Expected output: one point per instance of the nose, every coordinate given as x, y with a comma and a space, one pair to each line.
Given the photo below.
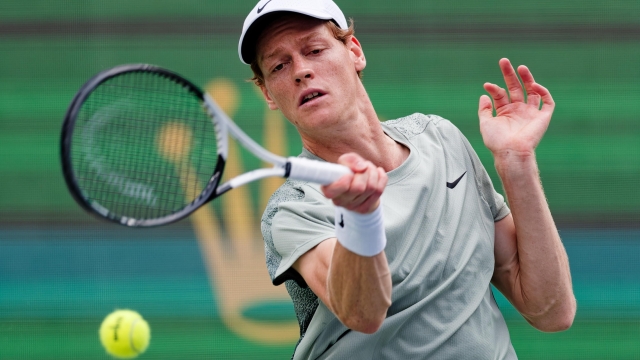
306, 76
302, 69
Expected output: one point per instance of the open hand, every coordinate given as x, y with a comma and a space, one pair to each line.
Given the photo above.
518, 126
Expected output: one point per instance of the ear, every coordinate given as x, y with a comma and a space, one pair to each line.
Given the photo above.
268, 98
357, 54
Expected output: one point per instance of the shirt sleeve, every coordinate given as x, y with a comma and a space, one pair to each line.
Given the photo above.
495, 200
297, 218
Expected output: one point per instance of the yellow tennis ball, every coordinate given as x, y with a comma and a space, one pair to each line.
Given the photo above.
125, 334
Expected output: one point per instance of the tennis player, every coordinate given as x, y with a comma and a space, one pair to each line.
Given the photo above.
396, 260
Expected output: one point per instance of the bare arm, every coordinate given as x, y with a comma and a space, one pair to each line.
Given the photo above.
532, 268
357, 289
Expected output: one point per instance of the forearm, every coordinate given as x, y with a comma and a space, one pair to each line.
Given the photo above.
540, 280
359, 289
357, 281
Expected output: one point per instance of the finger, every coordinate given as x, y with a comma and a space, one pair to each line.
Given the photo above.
360, 181
485, 108
511, 80
376, 187
547, 101
382, 179
372, 181
337, 187
364, 200
527, 77
362, 187
498, 94
353, 161
357, 165
349, 197
528, 81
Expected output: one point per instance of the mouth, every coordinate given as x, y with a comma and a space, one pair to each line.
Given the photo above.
310, 96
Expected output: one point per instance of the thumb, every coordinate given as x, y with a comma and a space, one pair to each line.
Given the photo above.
485, 108
353, 161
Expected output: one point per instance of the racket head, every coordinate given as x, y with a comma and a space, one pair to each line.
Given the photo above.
138, 146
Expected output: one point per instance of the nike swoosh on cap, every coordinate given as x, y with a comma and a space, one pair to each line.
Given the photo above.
451, 185
261, 8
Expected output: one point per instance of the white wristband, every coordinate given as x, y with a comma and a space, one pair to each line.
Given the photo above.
362, 234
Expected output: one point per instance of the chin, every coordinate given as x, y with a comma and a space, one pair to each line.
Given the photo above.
320, 119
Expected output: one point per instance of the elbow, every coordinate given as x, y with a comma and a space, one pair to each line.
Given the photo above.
559, 320
364, 320
559, 324
565, 324
566, 317
363, 324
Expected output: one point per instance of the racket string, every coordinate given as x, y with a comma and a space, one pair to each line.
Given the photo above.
126, 162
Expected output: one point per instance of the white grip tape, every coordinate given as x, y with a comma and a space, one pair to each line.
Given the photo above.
319, 172
362, 234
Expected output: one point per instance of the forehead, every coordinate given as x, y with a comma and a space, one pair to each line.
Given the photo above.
286, 29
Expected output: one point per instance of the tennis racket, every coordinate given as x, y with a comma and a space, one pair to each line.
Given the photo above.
142, 146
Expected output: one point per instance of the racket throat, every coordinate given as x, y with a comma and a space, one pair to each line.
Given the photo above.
223, 189
276, 171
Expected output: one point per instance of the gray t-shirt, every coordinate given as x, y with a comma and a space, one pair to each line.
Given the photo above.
439, 211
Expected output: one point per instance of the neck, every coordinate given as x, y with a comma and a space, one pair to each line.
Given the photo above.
363, 135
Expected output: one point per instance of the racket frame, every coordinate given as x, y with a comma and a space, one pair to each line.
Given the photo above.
68, 126
293, 167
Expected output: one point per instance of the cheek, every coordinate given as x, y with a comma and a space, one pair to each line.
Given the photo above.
345, 80
282, 97
275, 92
344, 67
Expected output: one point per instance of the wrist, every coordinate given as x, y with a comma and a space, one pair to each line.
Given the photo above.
510, 161
362, 234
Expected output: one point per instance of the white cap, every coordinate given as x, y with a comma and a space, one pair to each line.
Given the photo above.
319, 9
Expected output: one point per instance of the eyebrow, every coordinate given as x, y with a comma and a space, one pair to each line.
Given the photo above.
270, 54
279, 48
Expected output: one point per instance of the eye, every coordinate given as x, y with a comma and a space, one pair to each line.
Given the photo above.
316, 51
278, 67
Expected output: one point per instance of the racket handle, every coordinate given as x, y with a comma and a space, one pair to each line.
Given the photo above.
319, 172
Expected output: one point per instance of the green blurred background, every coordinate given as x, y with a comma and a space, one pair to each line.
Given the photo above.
61, 271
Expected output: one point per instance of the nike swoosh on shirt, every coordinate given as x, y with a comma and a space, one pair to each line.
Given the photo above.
451, 185
260, 8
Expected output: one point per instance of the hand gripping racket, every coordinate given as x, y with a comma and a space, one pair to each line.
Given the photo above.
138, 148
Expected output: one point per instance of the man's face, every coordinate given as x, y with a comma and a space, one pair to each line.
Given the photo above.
308, 74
